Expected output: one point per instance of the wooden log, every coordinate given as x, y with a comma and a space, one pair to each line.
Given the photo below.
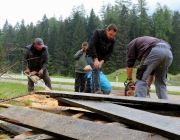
166, 104
63, 127
163, 125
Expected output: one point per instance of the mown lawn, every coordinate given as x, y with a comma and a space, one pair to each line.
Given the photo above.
10, 89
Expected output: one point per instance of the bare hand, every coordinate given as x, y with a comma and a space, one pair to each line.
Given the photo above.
40, 72
27, 71
97, 64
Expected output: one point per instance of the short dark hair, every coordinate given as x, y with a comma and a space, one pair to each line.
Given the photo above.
112, 27
85, 44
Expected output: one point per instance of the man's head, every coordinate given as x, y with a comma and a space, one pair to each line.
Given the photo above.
111, 31
84, 46
87, 69
38, 44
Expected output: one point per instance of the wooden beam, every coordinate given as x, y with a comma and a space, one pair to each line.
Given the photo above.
35, 137
166, 104
12, 128
18, 130
163, 125
64, 127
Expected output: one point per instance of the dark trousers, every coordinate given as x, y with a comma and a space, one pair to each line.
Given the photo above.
79, 82
95, 76
46, 79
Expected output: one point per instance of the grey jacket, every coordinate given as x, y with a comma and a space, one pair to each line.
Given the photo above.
80, 61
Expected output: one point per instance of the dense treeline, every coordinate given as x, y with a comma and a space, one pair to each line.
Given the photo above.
64, 37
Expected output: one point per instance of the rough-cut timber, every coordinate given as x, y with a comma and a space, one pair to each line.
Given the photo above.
166, 104
163, 125
15, 129
63, 127
35, 137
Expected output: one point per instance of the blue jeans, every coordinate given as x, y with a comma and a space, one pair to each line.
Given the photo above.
95, 75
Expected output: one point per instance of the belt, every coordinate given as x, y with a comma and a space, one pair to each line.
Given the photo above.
162, 45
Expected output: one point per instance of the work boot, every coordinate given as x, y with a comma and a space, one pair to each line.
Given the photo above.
98, 92
148, 92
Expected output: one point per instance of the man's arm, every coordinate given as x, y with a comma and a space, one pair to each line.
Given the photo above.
91, 51
25, 61
129, 71
46, 60
78, 54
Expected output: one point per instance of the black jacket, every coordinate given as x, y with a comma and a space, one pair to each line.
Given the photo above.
100, 46
35, 60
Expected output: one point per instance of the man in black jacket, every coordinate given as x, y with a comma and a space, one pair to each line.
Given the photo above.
100, 48
36, 61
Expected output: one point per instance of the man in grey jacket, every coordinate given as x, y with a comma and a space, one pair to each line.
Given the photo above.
36, 62
79, 68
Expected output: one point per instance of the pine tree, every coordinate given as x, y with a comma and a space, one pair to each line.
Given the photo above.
175, 43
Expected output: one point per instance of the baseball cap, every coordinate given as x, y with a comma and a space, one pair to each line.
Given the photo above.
88, 67
38, 42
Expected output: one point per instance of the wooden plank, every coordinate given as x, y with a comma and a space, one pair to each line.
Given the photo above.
163, 125
12, 128
78, 115
64, 127
166, 104
36, 137
17, 130
54, 109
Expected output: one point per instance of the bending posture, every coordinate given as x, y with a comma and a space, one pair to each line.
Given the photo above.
99, 51
36, 62
104, 82
153, 54
79, 68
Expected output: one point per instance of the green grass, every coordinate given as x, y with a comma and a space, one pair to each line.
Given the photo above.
121, 73
9, 90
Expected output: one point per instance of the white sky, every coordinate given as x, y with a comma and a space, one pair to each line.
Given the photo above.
33, 10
